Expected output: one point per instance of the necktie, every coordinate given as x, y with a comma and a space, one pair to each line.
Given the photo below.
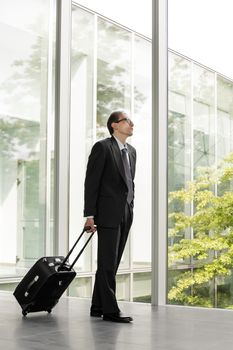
128, 175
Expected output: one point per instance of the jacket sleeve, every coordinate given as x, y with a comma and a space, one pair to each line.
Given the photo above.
95, 167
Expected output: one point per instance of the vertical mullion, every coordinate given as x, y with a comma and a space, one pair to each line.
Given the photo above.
216, 164
94, 116
62, 119
132, 72
95, 76
159, 150
49, 247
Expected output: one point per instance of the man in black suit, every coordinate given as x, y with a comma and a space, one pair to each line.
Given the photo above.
108, 204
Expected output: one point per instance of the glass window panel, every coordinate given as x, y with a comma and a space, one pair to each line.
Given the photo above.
82, 131
122, 287
203, 85
80, 287
26, 15
204, 149
197, 295
179, 74
9, 287
179, 141
113, 72
113, 82
203, 118
224, 125
141, 140
224, 286
174, 275
179, 122
26, 146
182, 168
142, 287
211, 130
225, 134
224, 118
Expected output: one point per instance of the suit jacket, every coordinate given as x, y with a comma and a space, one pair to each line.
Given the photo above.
105, 185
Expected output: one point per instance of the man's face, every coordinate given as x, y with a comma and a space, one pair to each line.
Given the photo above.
124, 125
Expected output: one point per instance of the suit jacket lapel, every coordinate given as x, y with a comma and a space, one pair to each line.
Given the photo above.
117, 155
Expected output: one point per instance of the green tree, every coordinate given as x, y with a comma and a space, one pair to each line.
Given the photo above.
209, 250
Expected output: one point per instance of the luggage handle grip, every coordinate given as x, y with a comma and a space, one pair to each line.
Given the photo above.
86, 228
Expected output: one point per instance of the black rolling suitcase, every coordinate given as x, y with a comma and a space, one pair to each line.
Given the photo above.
46, 281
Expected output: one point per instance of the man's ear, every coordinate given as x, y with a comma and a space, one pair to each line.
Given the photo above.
113, 125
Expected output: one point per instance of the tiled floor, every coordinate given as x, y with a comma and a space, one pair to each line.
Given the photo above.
70, 327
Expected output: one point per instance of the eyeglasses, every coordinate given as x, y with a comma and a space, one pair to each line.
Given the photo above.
128, 120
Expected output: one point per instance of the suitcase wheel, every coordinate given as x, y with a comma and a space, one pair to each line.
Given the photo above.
49, 311
24, 313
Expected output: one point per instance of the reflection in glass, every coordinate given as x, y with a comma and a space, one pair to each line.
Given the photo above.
203, 118
80, 287
142, 287
142, 140
122, 285
224, 125
26, 102
113, 81
81, 123
198, 141
179, 137
103, 73
113, 72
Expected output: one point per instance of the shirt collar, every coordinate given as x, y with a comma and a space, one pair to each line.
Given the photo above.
120, 144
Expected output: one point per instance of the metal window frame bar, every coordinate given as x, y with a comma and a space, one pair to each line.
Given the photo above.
62, 118
159, 150
49, 237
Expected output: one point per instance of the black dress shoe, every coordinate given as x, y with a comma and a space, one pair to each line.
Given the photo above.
116, 317
96, 313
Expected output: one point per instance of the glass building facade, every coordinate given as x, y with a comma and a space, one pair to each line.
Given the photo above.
26, 127
110, 69
199, 138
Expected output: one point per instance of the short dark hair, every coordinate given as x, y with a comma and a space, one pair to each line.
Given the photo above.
114, 117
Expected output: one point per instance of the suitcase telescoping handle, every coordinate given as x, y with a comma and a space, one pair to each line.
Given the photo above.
86, 228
